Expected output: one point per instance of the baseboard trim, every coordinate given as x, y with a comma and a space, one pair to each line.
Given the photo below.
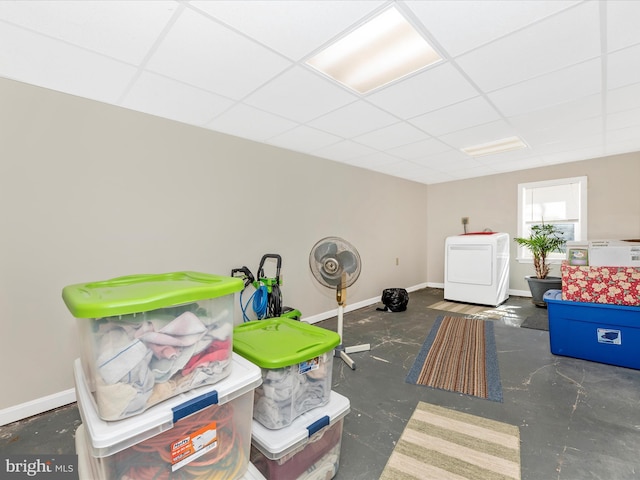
515, 293
37, 406
520, 293
60, 399
355, 306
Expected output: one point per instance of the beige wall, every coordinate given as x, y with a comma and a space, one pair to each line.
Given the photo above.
90, 192
491, 202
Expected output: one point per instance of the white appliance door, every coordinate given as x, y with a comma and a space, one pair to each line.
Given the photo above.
470, 264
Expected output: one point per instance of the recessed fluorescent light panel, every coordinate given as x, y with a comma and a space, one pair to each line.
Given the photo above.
379, 52
498, 146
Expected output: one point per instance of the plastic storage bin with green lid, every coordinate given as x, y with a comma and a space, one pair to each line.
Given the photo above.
146, 338
296, 361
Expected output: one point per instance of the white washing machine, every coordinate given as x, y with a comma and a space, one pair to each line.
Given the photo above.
476, 268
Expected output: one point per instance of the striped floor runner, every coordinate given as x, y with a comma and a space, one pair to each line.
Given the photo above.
476, 311
442, 444
459, 355
456, 307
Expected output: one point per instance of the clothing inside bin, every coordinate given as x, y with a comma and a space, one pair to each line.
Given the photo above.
286, 393
145, 358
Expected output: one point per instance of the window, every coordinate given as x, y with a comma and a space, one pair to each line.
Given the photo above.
561, 202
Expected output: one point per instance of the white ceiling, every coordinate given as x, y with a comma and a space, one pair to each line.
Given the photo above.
563, 75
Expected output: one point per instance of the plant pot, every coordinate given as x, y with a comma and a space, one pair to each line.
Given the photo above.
539, 286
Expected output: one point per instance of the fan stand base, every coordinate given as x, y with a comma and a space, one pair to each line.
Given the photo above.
343, 352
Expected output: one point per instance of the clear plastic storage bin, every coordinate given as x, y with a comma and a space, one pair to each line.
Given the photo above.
146, 338
296, 361
308, 449
204, 433
85, 463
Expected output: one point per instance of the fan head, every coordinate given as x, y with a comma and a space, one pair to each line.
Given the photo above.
334, 262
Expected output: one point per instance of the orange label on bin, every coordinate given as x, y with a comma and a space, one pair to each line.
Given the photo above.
194, 445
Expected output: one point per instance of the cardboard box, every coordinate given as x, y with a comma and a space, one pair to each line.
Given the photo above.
202, 433
605, 285
614, 253
600, 333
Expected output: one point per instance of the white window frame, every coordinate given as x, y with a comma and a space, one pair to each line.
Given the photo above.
523, 255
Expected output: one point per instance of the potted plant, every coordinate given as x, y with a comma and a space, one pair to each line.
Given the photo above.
543, 240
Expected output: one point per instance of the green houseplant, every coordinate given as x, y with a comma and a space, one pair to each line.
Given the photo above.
544, 239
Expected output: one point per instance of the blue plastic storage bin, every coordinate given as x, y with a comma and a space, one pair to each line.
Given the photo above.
594, 331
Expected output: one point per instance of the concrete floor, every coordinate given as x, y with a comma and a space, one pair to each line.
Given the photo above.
578, 420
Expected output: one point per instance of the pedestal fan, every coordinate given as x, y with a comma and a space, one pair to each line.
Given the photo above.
335, 263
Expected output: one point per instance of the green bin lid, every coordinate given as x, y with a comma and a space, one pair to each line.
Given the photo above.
280, 342
141, 293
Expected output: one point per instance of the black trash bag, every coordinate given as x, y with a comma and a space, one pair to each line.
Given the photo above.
394, 299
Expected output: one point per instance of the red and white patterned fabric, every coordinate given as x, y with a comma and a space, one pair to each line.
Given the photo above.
610, 285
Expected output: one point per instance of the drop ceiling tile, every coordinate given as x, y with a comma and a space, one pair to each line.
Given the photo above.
372, 160
517, 164
419, 149
260, 127
205, 54
401, 168
615, 147
294, 28
623, 98
573, 154
541, 152
567, 38
586, 142
623, 67
473, 172
565, 85
631, 133
623, 119
622, 23
35, 59
564, 133
353, 119
431, 177
300, 95
167, 98
458, 163
462, 115
488, 132
558, 115
443, 161
424, 92
344, 151
304, 139
123, 30
482, 21
392, 136
499, 158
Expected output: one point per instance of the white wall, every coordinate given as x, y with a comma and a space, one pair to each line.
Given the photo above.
90, 192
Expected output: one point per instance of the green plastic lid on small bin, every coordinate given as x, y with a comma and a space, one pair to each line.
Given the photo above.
280, 342
141, 293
